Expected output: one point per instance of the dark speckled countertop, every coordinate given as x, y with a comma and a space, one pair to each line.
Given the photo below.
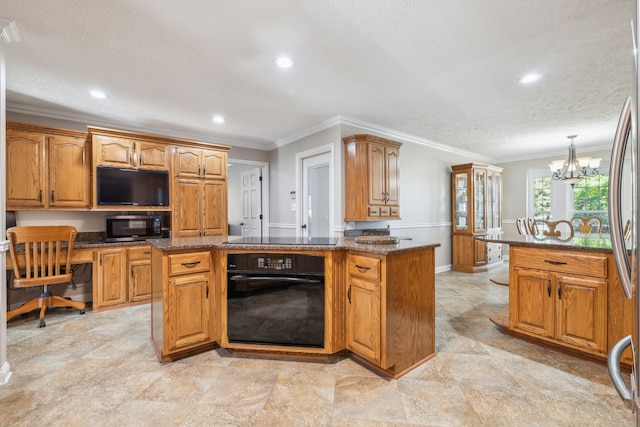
220, 242
96, 239
586, 242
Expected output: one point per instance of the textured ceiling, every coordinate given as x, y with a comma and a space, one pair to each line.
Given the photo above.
441, 71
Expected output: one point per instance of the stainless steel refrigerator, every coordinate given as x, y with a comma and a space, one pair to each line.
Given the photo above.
624, 181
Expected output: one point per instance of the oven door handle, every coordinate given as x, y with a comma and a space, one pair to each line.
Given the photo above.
243, 278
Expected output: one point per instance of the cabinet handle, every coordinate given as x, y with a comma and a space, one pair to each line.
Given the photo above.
204, 170
130, 158
559, 290
40, 196
207, 295
100, 259
363, 267
140, 161
190, 264
349, 294
132, 273
198, 170
555, 262
549, 287
53, 196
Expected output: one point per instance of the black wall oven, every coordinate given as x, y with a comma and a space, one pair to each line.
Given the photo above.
275, 299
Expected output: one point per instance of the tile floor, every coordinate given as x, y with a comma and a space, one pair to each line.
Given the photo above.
100, 370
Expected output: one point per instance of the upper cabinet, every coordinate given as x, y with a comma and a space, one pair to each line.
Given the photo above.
125, 150
200, 163
476, 198
47, 168
372, 178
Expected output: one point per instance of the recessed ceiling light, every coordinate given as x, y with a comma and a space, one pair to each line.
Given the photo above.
98, 94
218, 119
530, 78
285, 62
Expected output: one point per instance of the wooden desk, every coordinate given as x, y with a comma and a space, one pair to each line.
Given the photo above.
79, 256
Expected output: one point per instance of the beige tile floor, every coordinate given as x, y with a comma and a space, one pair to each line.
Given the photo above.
100, 370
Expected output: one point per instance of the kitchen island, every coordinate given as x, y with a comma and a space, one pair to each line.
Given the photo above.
565, 293
378, 299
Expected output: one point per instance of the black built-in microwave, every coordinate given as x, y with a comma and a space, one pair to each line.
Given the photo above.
131, 228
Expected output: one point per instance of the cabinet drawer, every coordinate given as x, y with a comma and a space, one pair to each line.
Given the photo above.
395, 212
494, 257
385, 211
493, 248
143, 252
189, 263
563, 262
361, 266
374, 210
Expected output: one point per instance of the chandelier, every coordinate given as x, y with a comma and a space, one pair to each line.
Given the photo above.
573, 169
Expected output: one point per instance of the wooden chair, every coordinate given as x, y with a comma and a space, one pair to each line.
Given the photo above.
526, 225
46, 260
627, 230
561, 228
587, 225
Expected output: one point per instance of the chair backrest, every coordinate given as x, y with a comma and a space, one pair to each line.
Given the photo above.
587, 225
561, 228
526, 225
41, 255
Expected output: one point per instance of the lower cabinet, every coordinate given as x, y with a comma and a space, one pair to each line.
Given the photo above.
391, 308
560, 296
121, 276
181, 309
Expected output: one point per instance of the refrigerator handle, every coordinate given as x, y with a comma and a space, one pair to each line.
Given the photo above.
615, 177
614, 369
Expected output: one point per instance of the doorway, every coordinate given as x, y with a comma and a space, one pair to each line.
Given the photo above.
248, 198
315, 206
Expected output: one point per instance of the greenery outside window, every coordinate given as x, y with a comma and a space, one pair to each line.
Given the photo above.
591, 199
542, 198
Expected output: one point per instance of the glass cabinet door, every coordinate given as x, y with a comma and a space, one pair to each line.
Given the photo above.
491, 182
480, 214
461, 186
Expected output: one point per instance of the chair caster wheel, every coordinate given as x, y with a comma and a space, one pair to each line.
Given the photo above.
42, 324
82, 311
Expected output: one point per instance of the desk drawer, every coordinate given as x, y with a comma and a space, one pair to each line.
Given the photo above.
143, 252
560, 261
189, 263
366, 267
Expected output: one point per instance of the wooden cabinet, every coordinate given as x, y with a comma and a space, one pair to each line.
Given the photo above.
391, 308
372, 178
47, 168
200, 192
110, 278
182, 295
560, 296
127, 153
139, 270
476, 196
122, 276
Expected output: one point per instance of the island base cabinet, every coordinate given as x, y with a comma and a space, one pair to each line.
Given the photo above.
391, 309
560, 306
182, 296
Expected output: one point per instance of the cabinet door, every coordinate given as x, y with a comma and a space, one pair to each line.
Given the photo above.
187, 163
26, 170
392, 176
531, 303
114, 152
110, 284
363, 319
214, 164
214, 211
186, 211
152, 156
68, 172
461, 202
581, 312
139, 280
479, 201
377, 183
188, 311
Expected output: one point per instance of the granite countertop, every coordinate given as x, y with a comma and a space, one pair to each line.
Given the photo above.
587, 242
97, 239
219, 242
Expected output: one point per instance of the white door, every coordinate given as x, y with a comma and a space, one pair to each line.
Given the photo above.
251, 224
316, 196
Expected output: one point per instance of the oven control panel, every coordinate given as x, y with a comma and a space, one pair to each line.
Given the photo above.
275, 262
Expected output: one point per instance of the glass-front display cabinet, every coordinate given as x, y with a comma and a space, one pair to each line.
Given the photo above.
476, 196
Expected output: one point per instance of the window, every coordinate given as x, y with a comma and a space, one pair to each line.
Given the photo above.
591, 198
542, 198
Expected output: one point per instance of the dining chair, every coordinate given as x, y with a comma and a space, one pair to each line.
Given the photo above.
561, 228
41, 256
587, 225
